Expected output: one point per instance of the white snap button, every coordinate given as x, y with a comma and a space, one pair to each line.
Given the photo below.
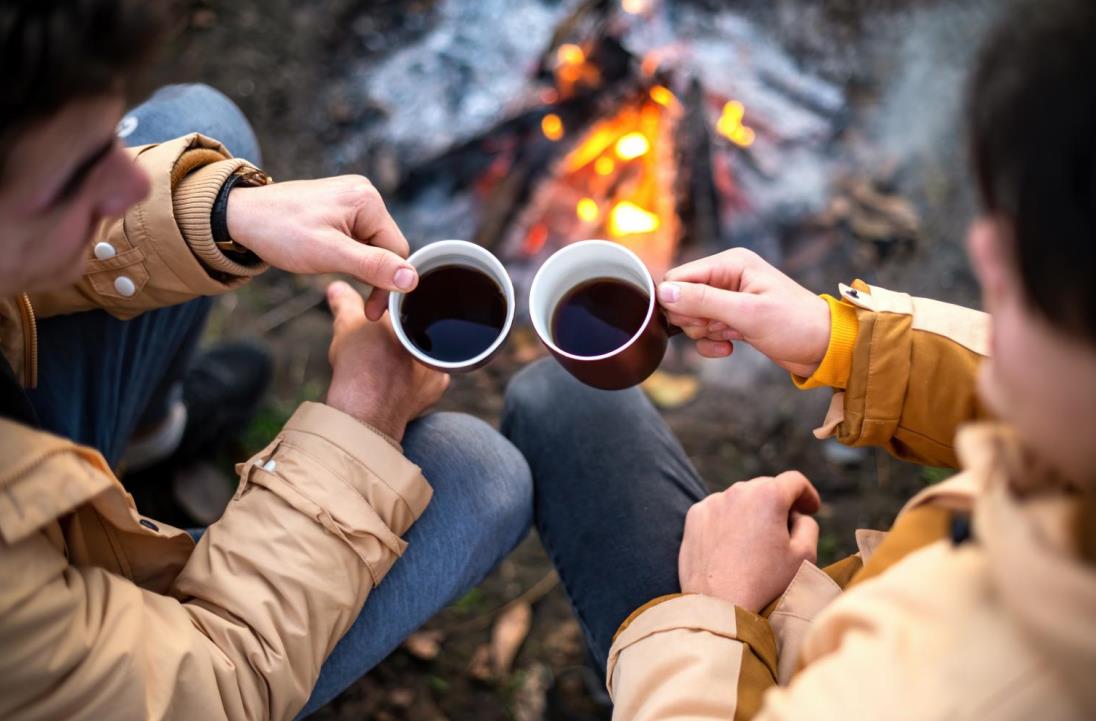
124, 286
104, 251
270, 465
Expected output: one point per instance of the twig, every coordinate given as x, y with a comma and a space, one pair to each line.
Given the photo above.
531, 595
292, 309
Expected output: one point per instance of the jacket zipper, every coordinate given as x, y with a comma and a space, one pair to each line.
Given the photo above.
30, 343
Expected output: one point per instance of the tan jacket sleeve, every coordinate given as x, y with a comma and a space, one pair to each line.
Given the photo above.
691, 657
913, 378
162, 252
246, 625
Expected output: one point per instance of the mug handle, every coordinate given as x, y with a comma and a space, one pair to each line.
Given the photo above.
671, 329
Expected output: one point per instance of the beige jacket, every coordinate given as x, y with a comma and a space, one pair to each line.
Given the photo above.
931, 626
105, 614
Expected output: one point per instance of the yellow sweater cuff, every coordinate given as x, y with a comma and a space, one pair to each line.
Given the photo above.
837, 363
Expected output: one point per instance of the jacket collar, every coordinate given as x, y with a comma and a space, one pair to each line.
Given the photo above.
1025, 518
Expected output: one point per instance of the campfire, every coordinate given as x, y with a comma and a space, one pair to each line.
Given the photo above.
673, 130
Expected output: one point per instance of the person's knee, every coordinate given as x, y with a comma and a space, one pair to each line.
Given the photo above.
489, 466
535, 391
219, 117
545, 397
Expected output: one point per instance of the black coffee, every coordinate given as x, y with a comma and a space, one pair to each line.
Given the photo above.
454, 314
599, 316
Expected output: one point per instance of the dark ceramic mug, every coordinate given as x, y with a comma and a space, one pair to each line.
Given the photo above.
631, 363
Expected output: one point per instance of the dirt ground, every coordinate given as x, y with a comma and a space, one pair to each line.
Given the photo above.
284, 63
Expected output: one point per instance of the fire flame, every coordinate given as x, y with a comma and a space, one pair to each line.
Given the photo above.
627, 218
663, 96
632, 146
570, 54
617, 181
730, 125
587, 210
635, 7
552, 126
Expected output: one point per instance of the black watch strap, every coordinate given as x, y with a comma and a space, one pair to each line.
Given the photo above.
219, 217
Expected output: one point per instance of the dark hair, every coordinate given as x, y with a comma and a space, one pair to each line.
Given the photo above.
1032, 117
56, 51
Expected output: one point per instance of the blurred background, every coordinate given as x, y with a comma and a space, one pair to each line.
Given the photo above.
826, 136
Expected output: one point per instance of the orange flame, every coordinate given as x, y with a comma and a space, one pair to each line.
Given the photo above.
730, 125
663, 96
604, 166
587, 210
627, 218
570, 54
552, 126
632, 146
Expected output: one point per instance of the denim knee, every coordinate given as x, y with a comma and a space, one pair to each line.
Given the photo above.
175, 110
545, 396
489, 467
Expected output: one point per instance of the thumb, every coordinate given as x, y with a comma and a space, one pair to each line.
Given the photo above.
346, 304
379, 267
704, 301
804, 536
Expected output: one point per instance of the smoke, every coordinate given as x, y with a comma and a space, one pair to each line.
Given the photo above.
930, 53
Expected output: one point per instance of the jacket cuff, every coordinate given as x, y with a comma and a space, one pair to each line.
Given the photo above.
347, 477
192, 202
699, 613
402, 493
837, 363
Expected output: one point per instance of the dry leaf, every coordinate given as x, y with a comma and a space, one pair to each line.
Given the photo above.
671, 391
401, 697
479, 668
424, 645
509, 632
531, 697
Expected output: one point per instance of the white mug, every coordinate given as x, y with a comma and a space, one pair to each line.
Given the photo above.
459, 253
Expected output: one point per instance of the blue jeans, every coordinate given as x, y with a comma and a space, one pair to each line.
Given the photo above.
611, 489
99, 375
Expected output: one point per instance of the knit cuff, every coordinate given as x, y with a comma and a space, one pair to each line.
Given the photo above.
192, 201
837, 363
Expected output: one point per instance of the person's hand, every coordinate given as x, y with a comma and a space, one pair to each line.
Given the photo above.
331, 225
735, 295
374, 379
744, 545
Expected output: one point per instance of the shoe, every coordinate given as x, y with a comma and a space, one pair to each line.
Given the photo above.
168, 470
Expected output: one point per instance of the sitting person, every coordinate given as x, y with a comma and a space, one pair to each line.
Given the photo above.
106, 613
979, 603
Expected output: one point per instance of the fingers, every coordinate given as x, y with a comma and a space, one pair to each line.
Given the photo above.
346, 305
723, 270
376, 304
373, 224
379, 267
803, 536
704, 301
797, 493
714, 348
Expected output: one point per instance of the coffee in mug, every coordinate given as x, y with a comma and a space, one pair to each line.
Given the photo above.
593, 306
598, 316
460, 313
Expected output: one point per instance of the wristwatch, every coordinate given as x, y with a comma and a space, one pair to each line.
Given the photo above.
218, 220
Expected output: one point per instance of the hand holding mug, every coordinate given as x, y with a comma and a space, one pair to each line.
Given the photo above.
373, 379
736, 295
330, 225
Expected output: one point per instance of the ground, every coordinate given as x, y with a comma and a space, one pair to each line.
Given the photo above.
283, 62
